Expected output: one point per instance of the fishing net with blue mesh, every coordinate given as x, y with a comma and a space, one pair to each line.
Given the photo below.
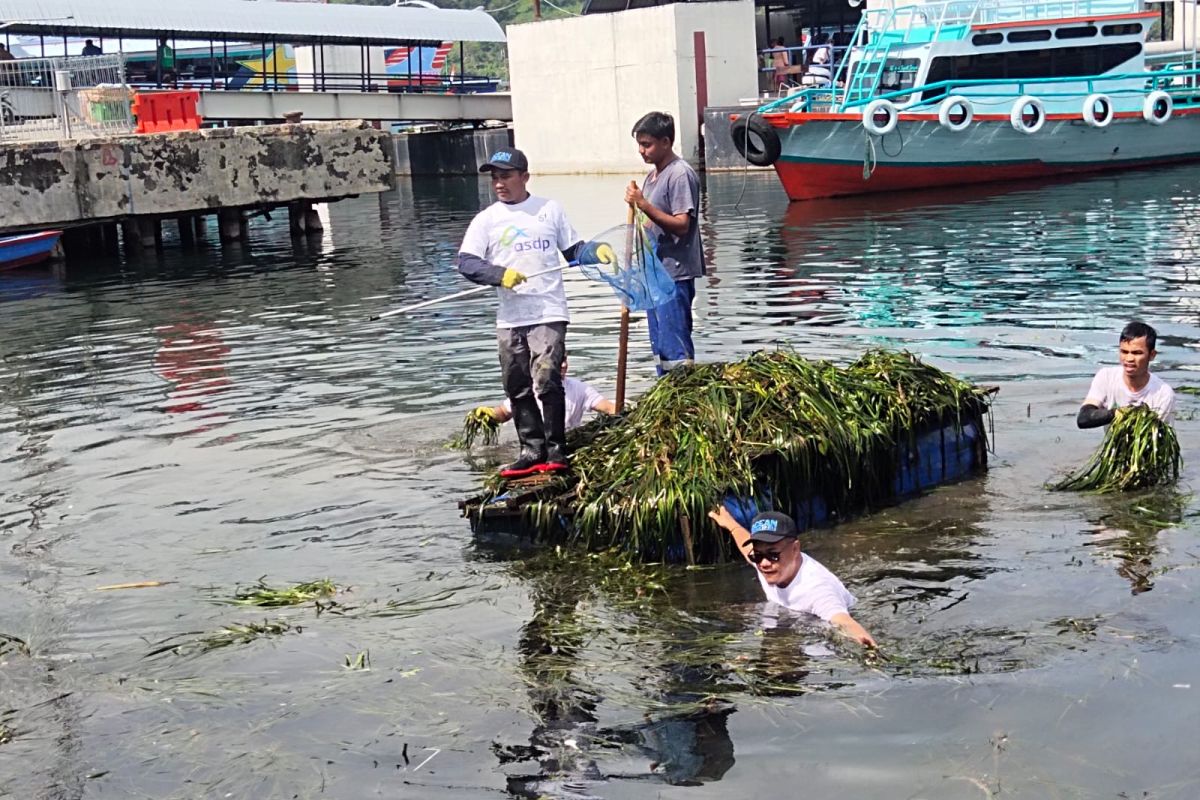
634, 273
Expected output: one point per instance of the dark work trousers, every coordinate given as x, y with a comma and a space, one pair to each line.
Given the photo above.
531, 361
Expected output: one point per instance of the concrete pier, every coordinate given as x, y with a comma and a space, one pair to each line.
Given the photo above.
144, 178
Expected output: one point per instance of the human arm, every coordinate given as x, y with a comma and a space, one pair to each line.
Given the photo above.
674, 224
500, 413
850, 627
482, 271
1092, 416
741, 536
604, 406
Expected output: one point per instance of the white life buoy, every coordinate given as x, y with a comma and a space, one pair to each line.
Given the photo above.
1036, 110
1158, 107
1098, 110
955, 113
877, 109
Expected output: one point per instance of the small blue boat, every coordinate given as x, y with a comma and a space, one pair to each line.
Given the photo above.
27, 249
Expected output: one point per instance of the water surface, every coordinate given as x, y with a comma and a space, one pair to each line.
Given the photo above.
205, 419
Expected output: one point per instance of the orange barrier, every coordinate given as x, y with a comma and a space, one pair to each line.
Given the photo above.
166, 111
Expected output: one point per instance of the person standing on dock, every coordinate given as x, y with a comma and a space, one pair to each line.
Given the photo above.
517, 235
1130, 384
789, 577
670, 199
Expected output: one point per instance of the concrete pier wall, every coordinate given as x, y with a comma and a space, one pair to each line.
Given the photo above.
456, 152
579, 84
720, 154
47, 184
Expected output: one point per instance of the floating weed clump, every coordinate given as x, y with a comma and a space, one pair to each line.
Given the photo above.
774, 427
270, 597
478, 426
12, 643
227, 636
1139, 451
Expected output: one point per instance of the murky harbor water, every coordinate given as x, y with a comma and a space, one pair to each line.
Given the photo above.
206, 419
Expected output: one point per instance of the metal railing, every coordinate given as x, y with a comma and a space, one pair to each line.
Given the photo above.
64, 98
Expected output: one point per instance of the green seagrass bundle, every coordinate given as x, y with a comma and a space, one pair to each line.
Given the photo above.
478, 426
1139, 451
774, 428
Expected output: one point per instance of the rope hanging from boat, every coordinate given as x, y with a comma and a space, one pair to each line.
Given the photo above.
869, 158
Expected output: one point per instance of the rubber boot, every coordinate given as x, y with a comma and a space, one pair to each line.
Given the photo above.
554, 410
528, 421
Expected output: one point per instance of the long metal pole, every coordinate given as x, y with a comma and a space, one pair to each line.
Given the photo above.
465, 293
623, 337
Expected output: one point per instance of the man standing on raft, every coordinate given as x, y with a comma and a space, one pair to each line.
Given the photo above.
670, 199
517, 235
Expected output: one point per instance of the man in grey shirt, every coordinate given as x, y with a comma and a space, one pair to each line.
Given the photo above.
670, 199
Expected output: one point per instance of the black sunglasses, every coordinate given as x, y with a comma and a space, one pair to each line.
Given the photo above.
771, 555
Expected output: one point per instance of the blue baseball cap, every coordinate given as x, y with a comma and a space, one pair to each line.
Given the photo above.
507, 158
770, 527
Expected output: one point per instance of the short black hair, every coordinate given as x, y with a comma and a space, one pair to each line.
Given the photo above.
658, 124
1136, 330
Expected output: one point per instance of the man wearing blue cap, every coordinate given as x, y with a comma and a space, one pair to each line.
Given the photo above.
788, 577
505, 244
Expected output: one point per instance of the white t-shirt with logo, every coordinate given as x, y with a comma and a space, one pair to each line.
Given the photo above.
814, 590
581, 398
1109, 391
528, 237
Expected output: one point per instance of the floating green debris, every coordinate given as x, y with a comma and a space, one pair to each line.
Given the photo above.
6, 734
266, 596
9, 642
228, 635
1139, 451
479, 426
359, 662
773, 427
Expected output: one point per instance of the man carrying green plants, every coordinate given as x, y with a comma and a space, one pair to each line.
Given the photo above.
514, 245
1129, 384
789, 577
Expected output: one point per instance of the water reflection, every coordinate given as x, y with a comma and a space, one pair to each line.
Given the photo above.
1125, 529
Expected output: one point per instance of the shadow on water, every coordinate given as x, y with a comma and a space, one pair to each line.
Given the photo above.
1125, 530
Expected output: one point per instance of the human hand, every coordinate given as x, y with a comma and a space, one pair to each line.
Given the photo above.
722, 517
485, 414
597, 253
512, 278
634, 196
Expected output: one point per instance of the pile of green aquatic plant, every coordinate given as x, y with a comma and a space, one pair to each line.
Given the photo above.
228, 635
266, 596
1139, 451
478, 426
774, 427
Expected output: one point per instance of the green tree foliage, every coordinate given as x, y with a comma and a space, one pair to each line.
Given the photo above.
491, 58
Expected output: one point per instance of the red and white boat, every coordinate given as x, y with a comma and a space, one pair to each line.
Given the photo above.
969, 91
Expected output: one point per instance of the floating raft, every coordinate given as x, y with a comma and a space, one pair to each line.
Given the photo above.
773, 431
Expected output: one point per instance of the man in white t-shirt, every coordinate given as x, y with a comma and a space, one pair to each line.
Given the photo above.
789, 577
1130, 384
581, 398
506, 246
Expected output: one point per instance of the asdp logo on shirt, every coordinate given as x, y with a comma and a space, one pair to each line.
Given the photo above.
518, 241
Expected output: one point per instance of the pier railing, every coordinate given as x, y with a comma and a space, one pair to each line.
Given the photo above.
64, 98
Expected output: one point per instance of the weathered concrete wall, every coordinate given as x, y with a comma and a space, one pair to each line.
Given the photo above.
457, 152
49, 184
579, 84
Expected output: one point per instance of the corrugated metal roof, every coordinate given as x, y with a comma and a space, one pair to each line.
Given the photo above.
253, 20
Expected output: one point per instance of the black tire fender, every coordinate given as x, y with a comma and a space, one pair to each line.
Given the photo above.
756, 140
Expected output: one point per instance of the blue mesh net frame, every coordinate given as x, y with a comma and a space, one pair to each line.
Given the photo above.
637, 277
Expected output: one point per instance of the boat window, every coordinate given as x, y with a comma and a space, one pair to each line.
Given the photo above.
1122, 30
1058, 62
1080, 32
1028, 36
898, 74
987, 38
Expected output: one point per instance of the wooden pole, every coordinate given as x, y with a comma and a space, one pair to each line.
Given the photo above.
623, 341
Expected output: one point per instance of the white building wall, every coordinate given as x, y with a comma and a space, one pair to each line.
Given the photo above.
579, 84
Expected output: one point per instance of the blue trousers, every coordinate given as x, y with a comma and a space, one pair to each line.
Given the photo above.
671, 328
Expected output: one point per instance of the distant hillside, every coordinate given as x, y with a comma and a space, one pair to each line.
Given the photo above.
484, 58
